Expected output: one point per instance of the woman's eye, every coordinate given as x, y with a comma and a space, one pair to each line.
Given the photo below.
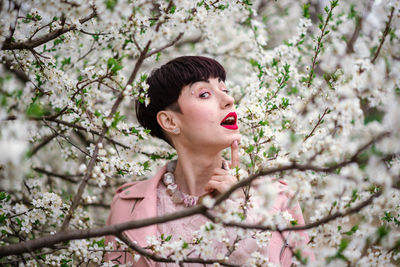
226, 91
205, 95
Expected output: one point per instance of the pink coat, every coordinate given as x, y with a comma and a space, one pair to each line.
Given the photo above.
138, 200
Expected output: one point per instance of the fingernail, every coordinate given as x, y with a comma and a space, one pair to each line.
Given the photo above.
235, 143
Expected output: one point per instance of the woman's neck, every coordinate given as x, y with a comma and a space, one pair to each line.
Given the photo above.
194, 169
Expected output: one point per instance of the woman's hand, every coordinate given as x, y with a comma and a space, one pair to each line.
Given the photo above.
221, 180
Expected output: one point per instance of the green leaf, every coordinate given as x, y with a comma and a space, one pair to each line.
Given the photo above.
3, 218
254, 63
66, 61
64, 263
354, 195
3, 196
210, 227
59, 40
299, 257
321, 19
35, 110
97, 113
241, 215
114, 65
293, 91
249, 149
158, 55
285, 102
388, 217
343, 245
382, 232
352, 230
274, 63
143, 77
19, 222
373, 114
306, 11
173, 9
110, 4
272, 151
117, 118
247, 2
100, 243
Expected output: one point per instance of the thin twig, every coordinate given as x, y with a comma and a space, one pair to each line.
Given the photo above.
385, 33
44, 142
319, 43
67, 139
316, 125
157, 258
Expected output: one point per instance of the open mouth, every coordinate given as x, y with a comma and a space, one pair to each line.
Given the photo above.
229, 121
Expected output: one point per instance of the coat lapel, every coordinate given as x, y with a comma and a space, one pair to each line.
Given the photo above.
145, 195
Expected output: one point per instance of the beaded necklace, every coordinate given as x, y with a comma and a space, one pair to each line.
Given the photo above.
179, 197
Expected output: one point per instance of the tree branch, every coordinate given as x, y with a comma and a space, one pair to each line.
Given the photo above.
66, 177
357, 29
72, 125
116, 229
30, 44
165, 46
21, 75
324, 220
82, 186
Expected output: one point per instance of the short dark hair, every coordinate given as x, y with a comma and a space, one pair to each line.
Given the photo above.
165, 86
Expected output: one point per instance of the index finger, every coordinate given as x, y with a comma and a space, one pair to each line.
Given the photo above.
234, 154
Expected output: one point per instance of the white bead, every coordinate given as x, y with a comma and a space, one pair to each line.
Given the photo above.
168, 178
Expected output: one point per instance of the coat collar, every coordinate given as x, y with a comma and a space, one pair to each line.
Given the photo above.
144, 188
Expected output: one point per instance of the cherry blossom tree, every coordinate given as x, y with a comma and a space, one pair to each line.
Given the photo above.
317, 89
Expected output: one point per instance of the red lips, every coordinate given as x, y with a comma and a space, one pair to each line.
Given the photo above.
229, 122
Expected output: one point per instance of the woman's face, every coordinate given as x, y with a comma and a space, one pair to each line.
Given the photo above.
208, 117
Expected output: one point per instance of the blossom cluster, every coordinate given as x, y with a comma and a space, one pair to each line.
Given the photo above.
317, 92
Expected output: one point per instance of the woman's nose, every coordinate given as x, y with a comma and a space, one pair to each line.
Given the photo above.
226, 100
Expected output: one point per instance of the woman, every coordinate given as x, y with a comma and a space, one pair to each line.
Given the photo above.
191, 110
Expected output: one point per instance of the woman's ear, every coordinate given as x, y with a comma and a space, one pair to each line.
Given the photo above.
168, 121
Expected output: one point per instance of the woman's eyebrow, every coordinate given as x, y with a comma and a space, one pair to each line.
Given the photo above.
203, 80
